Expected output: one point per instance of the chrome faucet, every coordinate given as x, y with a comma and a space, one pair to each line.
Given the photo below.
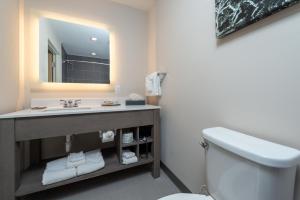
70, 103
77, 102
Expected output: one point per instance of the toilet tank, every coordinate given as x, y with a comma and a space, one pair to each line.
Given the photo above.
241, 167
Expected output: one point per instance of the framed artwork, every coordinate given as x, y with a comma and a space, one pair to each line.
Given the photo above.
233, 15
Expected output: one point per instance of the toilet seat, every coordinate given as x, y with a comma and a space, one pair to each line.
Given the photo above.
183, 196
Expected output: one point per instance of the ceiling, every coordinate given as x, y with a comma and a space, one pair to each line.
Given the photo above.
139, 4
76, 39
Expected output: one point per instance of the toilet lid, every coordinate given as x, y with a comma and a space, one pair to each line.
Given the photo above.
182, 196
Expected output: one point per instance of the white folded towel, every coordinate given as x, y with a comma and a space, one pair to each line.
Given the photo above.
57, 171
94, 162
75, 159
57, 164
75, 164
128, 154
127, 138
127, 161
94, 156
152, 83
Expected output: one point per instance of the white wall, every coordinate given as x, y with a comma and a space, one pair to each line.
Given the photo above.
9, 55
129, 27
152, 40
249, 81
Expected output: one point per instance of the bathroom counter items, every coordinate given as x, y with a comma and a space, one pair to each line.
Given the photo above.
19, 179
75, 111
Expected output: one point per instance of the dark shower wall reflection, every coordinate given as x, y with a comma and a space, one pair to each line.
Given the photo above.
80, 69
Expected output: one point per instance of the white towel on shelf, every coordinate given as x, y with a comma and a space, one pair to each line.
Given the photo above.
127, 138
127, 161
57, 164
153, 87
128, 154
75, 164
57, 171
94, 162
108, 136
75, 159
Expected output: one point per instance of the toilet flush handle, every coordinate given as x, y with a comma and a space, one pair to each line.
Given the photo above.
204, 144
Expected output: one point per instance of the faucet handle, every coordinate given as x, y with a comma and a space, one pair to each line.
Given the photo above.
64, 102
76, 102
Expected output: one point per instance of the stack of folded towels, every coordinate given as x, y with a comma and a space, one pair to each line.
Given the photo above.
128, 157
75, 164
127, 138
75, 159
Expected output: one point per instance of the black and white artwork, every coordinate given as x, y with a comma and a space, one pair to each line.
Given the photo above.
233, 15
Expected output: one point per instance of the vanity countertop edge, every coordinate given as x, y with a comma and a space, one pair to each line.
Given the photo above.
28, 113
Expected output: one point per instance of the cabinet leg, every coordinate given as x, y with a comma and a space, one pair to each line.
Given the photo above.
156, 170
7, 155
156, 145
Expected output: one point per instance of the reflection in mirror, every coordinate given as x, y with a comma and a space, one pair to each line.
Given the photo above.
72, 53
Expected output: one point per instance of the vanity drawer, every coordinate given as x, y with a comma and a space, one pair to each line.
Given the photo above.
54, 126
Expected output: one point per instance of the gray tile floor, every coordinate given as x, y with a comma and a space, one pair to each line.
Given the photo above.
136, 184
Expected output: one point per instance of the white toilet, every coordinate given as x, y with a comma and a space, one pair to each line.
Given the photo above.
241, 167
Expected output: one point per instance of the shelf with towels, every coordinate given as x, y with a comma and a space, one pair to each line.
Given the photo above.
139, 133
31, 179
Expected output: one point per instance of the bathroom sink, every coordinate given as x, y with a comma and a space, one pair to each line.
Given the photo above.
53, 109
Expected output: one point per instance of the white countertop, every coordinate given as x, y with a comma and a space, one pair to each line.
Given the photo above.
95, 109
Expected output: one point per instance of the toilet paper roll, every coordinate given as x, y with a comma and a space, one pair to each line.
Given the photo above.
107, 136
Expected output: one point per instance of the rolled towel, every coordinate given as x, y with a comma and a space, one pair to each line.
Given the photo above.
128, 154
129, 160
94, 162
108, 136
57, 171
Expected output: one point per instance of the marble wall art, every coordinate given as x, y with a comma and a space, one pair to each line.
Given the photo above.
233, 15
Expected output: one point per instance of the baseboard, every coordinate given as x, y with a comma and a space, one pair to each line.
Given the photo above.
174, 179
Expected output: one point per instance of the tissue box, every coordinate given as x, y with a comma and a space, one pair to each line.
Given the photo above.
135, 103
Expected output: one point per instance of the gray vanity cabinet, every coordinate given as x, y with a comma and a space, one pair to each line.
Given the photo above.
17, 181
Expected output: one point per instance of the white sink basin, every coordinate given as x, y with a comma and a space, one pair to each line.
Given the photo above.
53, 109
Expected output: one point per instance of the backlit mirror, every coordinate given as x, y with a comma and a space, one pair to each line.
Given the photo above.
72, 53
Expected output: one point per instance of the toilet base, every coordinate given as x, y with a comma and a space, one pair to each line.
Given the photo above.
184, 196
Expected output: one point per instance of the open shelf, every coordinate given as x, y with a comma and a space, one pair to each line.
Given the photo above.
134, 143
31, 180
149, 140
